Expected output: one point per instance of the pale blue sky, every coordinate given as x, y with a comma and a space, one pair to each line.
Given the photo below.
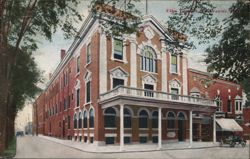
48, 55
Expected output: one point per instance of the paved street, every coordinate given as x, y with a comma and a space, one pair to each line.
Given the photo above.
37, 147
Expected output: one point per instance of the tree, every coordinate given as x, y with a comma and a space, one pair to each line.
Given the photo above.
21, 22
196, 19
230, 57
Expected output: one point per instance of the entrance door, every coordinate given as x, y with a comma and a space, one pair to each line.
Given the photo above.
181, 131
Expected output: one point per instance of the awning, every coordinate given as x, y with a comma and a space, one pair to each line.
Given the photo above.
228, 125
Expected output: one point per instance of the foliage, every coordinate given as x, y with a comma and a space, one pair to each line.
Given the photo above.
231, 56
24, 79
10, 152
195, 18
25, 20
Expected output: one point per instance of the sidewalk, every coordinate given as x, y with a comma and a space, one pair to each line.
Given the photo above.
129, 148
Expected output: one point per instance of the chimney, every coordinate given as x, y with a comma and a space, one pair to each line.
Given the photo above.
63, 52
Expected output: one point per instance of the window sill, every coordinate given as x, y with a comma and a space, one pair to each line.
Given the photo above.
118, 60
109, 128
155, 73
174, 73
88, 64
143, 129
88, 103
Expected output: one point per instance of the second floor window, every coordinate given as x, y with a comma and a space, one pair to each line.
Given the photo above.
88, 58
174, 68
88, 92
78, 97
118, 49
175, 92
238, 105
229, 105
118, 82
148, 59
218, 103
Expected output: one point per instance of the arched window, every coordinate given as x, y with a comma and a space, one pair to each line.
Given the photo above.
171, 120
109, 118
155, 119
91, 118
181, 116
148, 59
85, 119
143, 119
127, 118
75, 121
80, 120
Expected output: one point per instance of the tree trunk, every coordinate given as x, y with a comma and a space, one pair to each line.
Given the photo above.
4, 87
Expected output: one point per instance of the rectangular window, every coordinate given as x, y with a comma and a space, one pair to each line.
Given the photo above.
127, 140
88, 54
143, 139
85, 138
78, 64
78, 97
118, 49
155, 139
110, 140
64, 104
68, 122
236, 106
229, 106
88, 92
118, 82
174, 64
149, 87
175, 92
91, 139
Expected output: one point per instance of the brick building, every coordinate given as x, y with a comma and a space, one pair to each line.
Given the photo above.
110, 89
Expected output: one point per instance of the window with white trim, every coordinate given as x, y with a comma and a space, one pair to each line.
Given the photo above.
109, 118
174, 68
75, 121
238, 105
155, 119
148, 59
229, 105
118, 49
170, 120
88, 91
143, 119
127, 118
78, 97
118, 82
88, 58
91, 118
85, 119
218, 103
78, 64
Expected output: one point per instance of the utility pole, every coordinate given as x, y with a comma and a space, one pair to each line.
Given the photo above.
146, 7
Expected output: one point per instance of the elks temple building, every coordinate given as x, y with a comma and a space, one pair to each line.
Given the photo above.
132, 89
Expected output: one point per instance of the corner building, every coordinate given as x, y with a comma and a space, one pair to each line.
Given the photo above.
125, 89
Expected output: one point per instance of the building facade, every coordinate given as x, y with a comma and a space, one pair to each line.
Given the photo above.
132, 89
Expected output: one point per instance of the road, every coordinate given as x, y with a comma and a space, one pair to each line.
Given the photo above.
35, 147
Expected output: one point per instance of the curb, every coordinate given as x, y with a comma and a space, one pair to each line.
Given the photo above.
129, 151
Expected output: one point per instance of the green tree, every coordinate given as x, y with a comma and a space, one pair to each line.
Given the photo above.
21, 23
230, 56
